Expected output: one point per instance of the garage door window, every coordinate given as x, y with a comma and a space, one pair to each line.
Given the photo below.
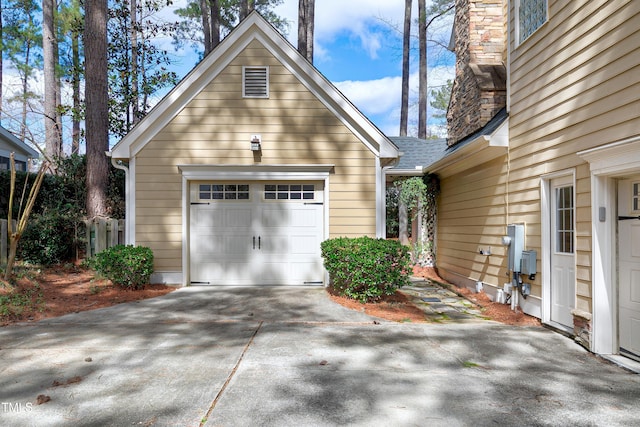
223, 191
289, 192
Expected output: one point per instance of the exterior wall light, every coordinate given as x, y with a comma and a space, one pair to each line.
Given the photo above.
256, 141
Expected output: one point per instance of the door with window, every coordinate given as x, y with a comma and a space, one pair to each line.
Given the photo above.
629, 266
563, 277
256, 233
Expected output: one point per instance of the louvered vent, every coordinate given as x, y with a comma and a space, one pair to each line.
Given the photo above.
255, 82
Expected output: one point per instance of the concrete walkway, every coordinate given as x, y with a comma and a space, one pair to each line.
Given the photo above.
290, 357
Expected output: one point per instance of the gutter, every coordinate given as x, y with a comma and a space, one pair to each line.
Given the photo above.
127, 195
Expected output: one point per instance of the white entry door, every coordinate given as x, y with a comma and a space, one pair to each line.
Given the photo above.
563, 277
629, 266
263, 233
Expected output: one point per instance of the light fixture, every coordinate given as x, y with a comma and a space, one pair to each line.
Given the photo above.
256, 141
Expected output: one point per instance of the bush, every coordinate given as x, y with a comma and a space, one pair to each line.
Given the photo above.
126, 266
364, 268
48, 239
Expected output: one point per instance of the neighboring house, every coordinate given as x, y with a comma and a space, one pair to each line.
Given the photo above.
558, 152
22, 152
252, 160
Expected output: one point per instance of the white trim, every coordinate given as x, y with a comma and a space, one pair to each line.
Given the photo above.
186, 241
545, 249
606, 163
257, 172
131, 214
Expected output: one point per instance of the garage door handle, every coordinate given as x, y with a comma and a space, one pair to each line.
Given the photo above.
254, 242
259, 243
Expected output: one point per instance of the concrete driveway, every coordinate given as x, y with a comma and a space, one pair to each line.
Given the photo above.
290, 357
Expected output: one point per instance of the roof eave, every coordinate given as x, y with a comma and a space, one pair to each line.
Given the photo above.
480, 150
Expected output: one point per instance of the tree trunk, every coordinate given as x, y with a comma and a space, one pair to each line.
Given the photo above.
246, 6
53, 140
75, 83
25, 93
306, 18
406, 45
215, 23
422, 83
97, 120
206, 26
134, 62
1, 64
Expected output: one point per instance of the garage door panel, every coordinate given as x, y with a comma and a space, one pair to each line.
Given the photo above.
238, 218
305, 244
258, 240
304, 217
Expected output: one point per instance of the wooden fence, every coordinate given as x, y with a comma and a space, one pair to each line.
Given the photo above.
103, 233
100, 234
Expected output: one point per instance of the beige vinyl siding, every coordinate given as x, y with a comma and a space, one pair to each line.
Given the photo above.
575, 85
215, 128
472, 214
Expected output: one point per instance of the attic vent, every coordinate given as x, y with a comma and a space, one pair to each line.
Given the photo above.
255, 82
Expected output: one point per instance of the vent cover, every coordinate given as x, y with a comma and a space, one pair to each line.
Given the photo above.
255, 82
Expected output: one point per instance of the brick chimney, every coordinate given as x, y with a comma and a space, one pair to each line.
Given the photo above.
479, 89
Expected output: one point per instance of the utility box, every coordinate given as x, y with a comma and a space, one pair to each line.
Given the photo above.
515, 233
529, 263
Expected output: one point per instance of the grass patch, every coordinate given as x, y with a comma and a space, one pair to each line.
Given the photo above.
21, 300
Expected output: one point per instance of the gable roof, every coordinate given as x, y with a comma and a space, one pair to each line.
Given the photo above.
254, 27
14, 144
416, 154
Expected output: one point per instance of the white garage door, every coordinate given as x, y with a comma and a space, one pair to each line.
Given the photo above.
263, 233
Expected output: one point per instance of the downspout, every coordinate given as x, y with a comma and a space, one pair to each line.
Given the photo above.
127, 226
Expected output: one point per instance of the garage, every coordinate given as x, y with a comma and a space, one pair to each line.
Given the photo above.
256, 233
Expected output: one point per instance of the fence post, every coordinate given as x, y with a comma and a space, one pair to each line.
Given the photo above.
101, 235
113, 236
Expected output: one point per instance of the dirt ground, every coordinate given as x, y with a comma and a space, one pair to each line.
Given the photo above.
61, 290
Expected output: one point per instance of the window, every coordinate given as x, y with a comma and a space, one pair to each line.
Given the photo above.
5, 164
255, 82
635, 197
531, 14
289, 192
564, 220
223, 191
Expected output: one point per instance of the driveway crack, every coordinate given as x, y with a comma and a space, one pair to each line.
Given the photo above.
231, 375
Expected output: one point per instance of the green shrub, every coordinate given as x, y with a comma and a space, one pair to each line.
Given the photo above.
364, 268
49, 238
126, 266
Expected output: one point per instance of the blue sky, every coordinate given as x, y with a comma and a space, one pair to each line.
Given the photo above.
358, 47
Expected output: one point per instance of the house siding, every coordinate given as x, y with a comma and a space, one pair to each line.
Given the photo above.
472, 215
574, 84
588, 95
215, 128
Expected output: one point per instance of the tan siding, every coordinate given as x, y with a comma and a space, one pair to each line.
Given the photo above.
472, 214
575, 84
215, 128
